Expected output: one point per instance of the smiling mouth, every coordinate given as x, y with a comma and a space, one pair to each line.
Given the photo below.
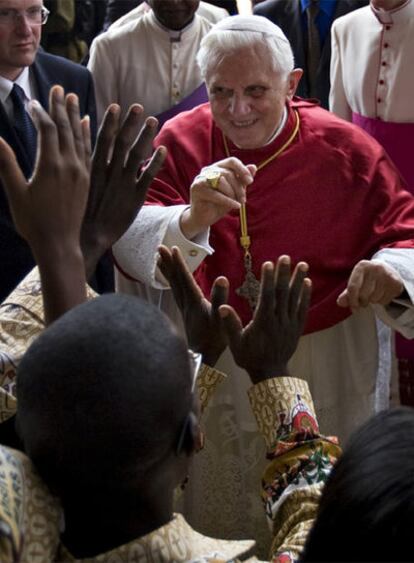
244, 124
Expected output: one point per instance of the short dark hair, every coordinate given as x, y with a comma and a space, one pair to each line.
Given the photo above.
103, 393
366, 511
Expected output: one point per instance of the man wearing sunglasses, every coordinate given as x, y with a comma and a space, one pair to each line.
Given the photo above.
26, 72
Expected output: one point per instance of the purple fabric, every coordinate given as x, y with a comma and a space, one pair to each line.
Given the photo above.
397, 139
199, 96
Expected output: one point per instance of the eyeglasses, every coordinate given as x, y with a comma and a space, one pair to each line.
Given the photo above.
195, 362
36, 15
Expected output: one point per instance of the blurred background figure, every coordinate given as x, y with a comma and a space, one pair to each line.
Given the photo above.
152, 60
307, 25
116, 9
206, 10
71, 27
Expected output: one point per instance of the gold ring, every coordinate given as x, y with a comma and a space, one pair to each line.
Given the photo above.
213, 179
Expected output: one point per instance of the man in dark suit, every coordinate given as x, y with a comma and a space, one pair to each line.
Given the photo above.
29, 72
292, 17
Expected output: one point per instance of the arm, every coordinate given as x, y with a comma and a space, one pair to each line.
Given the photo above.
48, 210
300, 458
338, 102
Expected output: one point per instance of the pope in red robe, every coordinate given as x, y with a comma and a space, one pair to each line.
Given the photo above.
254, 174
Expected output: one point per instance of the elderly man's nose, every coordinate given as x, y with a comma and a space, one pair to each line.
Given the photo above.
239, 105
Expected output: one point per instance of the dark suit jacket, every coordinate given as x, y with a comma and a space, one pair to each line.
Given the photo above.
287, 15
15, 257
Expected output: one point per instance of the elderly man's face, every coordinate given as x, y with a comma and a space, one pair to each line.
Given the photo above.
174, 14
247, 97
19, 39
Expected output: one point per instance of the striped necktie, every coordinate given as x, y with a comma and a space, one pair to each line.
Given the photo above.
314, 46
23, 124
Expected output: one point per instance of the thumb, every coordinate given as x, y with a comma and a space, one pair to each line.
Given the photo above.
252, 169
343, 300
10, 172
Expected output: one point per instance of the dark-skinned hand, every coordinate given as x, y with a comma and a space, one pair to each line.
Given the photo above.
203, 324
49, 208
118, 183
264, 347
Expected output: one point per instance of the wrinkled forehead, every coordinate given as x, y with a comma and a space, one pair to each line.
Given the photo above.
243, 66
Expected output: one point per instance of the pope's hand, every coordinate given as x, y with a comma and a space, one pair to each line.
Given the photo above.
217, 190
371, 281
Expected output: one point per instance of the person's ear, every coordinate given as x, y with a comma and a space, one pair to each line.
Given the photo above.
293, 80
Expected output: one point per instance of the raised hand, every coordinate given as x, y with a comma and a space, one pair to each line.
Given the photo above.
264, 347
118, 182
202, 321
49, 208
211, 200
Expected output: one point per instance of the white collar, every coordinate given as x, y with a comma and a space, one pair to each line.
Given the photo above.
173, 34
23, 80
398, 15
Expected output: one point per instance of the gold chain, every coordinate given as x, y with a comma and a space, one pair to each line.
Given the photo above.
244, 233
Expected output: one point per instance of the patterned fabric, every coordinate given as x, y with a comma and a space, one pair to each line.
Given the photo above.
300, 461
21, 321
207, 383
29, 514
176, 541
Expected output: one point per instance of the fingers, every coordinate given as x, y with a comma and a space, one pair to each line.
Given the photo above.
149, 173
11, 175
304, 303
126, 136
266, 301
234, 177
233, 328
47, 136
72, 110
244, 174
343, 299
106, 135
219, 293
143, 145
87, 141
176, 272
296, 287
60, 117
370, 282
282, 286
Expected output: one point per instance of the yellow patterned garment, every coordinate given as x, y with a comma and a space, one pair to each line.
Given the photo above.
21, 321
29, 514
176, 541
300, 461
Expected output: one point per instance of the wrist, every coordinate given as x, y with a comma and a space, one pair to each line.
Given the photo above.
274, 372
188, 226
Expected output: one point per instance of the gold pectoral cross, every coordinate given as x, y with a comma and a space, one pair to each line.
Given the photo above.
251, 285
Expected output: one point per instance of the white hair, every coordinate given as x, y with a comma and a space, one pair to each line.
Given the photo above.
238, 32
